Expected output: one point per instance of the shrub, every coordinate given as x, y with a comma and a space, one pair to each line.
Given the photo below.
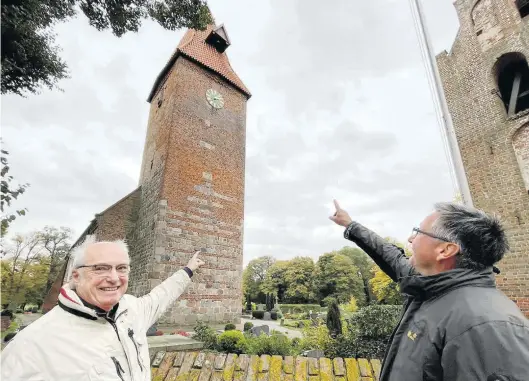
230, 327
258, 314
375, 321
368, 333
300, 308
206, 335
233, 342
248, 326
358, 347
316, 338
351, 306
334, 322
34, 310
273, 315
276, 344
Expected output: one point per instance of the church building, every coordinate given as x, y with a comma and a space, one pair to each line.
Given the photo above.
486, 81
191, 189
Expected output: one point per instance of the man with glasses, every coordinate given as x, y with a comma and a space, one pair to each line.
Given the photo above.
96, 332
456, 325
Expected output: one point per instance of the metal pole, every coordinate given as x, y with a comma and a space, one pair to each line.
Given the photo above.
455, 154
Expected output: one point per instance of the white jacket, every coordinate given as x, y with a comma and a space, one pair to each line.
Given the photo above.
72, 343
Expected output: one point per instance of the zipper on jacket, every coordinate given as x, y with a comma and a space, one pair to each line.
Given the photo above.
119, 369
131, 335
113, 324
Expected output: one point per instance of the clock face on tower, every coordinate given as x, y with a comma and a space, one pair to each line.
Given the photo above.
215, 98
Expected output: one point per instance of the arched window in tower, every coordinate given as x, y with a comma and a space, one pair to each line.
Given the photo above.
512, 76
523, 7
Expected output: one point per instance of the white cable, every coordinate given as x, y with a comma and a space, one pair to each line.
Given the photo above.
437, 105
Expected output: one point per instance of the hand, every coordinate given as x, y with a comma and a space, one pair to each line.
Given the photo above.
341, 217
195, 262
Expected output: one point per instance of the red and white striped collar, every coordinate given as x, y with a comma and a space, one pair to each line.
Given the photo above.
71, 302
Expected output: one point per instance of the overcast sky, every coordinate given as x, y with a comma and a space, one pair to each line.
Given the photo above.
340, 109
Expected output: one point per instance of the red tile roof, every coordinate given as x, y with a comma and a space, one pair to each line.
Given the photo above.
194, 47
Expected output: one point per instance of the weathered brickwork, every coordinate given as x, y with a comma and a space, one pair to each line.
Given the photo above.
206, 366
118, 221
193, 167
494, 146
191, 193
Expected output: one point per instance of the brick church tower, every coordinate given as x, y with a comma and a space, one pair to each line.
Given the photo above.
192, 180
486, 81
191, 190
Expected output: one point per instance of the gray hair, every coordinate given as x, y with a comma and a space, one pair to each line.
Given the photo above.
78, 253
481, 237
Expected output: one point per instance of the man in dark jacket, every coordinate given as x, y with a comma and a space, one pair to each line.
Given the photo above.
456, 325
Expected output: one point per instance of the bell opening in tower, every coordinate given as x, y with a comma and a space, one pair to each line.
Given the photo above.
512, 75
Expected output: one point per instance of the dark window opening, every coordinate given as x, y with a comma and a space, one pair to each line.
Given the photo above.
513, 82
479, 32
523, 7
160, 96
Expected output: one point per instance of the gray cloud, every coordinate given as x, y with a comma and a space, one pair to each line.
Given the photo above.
340, 108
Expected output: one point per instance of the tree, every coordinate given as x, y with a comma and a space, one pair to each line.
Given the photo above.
57, 244
9, 192
32, 263
30, 58
299, 280
385, 290
254, 275
364, 264
334, 320
275, 282
23, 253
336, 276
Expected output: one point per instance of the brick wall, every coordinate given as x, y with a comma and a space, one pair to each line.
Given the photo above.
493, 145
192, 177
221, 366
117, 221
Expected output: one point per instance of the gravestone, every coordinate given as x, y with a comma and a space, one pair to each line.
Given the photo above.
261, 307
257, 331
315, 353
267, 316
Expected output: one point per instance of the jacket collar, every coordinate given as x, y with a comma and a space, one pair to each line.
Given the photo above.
72, 303
426, 287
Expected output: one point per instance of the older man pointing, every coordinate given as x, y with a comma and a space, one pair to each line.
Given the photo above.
96, 332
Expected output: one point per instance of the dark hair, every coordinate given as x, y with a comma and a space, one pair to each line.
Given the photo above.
480, 236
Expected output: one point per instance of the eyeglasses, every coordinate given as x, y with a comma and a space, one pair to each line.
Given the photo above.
416, 231
103, 269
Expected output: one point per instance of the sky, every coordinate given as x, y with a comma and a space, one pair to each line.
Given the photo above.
341, 109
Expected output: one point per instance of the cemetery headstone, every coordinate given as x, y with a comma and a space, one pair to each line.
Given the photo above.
315, 353
267, 316
257, 331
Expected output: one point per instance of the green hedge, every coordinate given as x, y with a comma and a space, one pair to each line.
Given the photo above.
375, 321
260, 314
276, 344
301, 308
233, 342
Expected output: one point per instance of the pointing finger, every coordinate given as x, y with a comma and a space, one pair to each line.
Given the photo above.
336, 205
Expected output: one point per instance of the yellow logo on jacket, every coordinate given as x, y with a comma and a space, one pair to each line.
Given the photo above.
412, 335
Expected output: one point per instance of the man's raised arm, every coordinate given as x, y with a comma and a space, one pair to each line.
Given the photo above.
390, 258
